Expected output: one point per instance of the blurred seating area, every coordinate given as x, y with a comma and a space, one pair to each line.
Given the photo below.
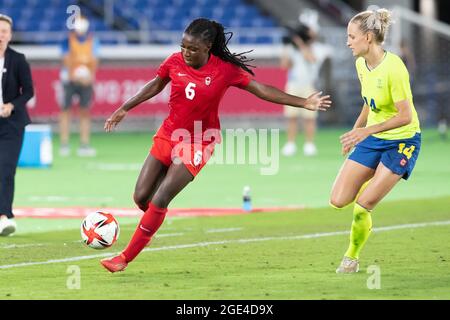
136, 21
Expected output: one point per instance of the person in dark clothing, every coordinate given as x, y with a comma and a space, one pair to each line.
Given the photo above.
15, 90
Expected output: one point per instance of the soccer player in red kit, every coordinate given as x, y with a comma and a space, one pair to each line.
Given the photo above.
200, 75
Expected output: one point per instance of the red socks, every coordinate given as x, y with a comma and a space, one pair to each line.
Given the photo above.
149, 224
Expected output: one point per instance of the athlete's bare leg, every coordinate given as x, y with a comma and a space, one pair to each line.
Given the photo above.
152, 173
176, 178
382, 182
348, 183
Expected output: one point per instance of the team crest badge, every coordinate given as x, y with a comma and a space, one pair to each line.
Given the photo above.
403, 162
207, 80
198, 156
380, 84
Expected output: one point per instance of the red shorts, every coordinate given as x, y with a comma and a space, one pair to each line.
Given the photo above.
193, 156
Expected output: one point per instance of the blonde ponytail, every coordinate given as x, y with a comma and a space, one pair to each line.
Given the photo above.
375, 21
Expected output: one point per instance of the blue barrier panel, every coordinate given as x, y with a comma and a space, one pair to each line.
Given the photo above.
37, 149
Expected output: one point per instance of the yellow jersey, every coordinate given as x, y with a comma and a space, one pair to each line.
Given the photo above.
381, 88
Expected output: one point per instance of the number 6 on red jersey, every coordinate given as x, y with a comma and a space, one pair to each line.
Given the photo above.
190, 93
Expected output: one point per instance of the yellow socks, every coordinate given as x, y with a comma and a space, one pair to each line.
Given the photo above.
361, 227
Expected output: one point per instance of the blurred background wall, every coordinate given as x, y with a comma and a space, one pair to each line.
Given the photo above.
137, 35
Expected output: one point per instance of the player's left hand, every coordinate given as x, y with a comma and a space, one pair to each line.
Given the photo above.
352, 138
317, 102
6, 110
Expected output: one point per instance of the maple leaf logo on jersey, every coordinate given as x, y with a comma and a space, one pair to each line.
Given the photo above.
207, 80
197, 158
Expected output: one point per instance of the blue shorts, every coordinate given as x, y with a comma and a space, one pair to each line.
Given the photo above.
399, 156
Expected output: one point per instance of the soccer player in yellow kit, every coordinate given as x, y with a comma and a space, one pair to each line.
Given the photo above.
385, 140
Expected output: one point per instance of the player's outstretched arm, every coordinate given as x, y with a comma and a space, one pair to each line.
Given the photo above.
151, 89
314, 102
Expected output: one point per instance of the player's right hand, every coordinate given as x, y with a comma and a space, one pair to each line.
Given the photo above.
346, 149
114, 119
317, 102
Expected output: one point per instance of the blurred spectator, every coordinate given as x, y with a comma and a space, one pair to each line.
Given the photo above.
443, 122
303, 56
408, 58
80, 52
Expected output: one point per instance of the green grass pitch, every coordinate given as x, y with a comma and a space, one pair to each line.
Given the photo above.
282, 255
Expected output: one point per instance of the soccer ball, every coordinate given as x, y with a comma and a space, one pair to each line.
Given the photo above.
99, 230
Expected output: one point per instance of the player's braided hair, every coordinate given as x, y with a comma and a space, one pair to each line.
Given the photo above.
213, 32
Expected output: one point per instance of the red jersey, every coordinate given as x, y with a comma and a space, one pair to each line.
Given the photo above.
196, 93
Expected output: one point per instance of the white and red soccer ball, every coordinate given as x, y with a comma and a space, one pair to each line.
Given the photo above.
99, 230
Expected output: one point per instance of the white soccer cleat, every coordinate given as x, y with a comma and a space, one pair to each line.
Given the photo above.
86, 151
309, 149
348, 265
64, 151
289, 149
7, 226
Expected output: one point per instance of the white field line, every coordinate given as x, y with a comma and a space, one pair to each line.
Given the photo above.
223, 230
169, 235
26, 245
115, 166
45, 244
205, 244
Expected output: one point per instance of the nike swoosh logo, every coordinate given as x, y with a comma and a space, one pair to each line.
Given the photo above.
182, 74
144, 229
